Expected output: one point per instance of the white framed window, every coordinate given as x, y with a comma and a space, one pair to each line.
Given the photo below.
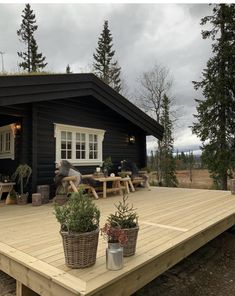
7, 141
79, 145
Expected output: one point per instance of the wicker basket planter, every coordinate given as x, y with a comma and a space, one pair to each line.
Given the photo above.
22, 199
61, 199
80, 248
130, 247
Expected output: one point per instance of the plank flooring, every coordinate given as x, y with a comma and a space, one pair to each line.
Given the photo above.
173, 224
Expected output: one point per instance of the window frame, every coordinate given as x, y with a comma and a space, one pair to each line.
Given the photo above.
58, 128
4, 131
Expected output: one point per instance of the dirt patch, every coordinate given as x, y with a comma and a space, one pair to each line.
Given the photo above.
210, 271
7, 285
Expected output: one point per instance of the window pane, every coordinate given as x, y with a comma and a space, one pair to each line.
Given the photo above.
63, 154
83, 137
95, 138
63, 135
77, 137
69, 154
69, 136
95, 155
90, 155
83, 155
95, 146
90, 138
63, 145
83, 146
69, 145
7, 142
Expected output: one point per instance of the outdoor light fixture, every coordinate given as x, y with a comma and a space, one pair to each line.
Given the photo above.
17, 128
132, 139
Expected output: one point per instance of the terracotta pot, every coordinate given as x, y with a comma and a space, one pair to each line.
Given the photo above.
10, 201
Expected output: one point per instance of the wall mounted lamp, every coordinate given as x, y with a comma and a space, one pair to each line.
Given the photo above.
132, 139
17, 128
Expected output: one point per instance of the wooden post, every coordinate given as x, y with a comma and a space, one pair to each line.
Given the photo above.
22, 290
104, 189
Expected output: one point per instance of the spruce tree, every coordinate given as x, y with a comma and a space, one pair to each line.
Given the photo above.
104, 65
68, 70
216, 113
167, 161
32, 60
37, 58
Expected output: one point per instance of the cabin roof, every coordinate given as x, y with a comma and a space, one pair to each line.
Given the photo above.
19, 89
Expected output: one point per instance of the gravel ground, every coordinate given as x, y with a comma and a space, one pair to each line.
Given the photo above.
210, 271
7, 285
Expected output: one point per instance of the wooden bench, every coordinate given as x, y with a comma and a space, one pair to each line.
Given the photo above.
141, 179
90, 188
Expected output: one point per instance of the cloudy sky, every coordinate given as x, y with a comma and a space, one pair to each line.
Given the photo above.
143, 34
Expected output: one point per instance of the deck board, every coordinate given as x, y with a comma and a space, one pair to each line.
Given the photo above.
173, 223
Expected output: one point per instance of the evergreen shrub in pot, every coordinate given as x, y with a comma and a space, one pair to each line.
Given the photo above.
126, 218
79, 220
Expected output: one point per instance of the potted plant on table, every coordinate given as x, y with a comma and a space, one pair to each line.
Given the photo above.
22, 175
127, 219
107, 165
79, 220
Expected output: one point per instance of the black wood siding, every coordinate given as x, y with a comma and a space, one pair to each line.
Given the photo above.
36, 143
23, 148
85, 112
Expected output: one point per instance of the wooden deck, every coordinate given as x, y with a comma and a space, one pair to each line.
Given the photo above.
173, 224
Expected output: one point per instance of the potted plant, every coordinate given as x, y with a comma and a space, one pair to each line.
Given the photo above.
11, 198
127, 219
79, 220
107, 165
61, 196
116, 238
22, 175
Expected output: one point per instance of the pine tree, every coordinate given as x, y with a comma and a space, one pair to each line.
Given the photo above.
68, 70
216, 114
167, 161
104, 66
32, 60
37, 58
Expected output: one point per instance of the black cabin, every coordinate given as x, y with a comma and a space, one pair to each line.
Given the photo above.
46, 118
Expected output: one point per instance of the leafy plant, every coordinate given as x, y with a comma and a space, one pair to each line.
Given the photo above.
107, 164
125, 216
12, 194
79, 214
22, 175
114, 234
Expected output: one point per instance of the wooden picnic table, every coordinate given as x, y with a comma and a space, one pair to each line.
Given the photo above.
116, 184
